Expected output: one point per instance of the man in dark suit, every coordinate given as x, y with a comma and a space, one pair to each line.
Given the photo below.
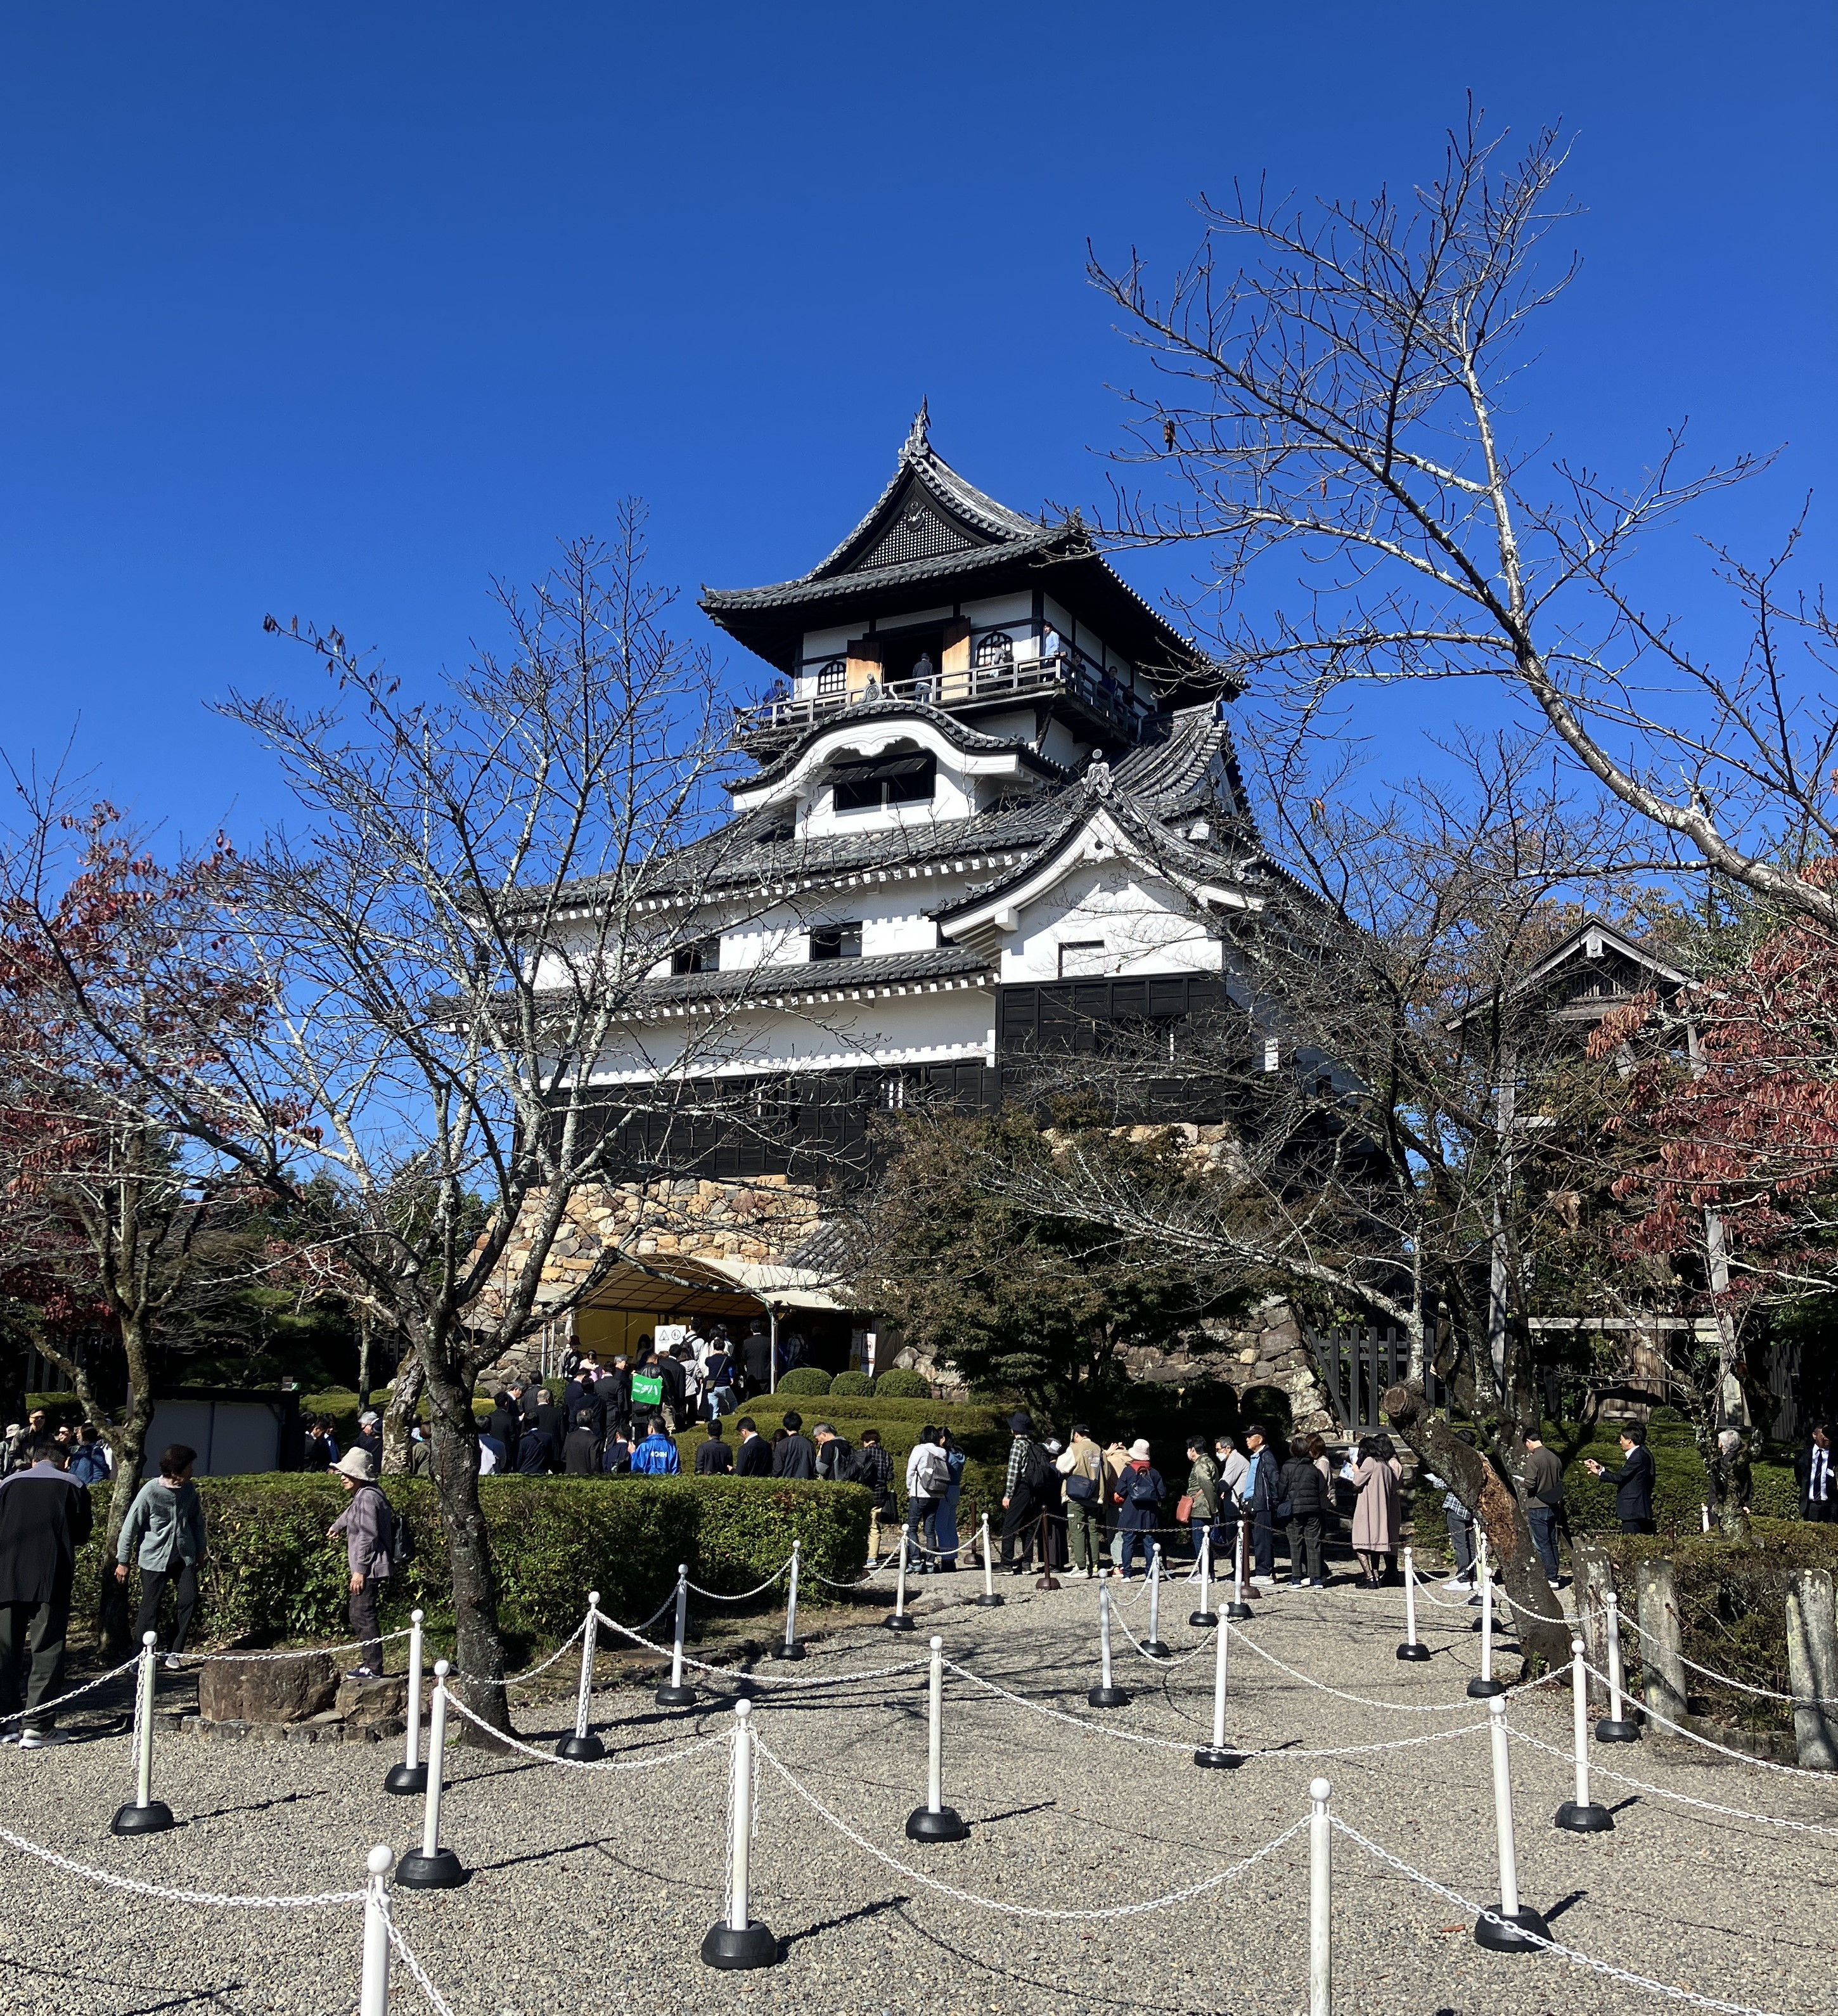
1812, 1470
797, 1455
754, 1458
506, 1427
756, 1360
612, 1395
549, 1418
1633, 1482
44, 1517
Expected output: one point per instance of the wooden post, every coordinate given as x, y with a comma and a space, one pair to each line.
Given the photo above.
1812, 1669
1662, 1641
1594, 1578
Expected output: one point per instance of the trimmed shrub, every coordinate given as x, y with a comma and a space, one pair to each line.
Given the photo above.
900, 1385
805, 1379
846, 1382
270, 1571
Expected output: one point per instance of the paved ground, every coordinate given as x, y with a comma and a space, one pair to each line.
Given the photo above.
591, 1892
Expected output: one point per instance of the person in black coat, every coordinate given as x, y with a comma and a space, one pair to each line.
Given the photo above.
537, 1453
44, 1517
580, 1453
549, 1418
1815, 1471
1633, 1482
505, 1424
1304, 1492
756, 1360
613, 1396
714, 1458
754, 1458
797, 1455
671, 1371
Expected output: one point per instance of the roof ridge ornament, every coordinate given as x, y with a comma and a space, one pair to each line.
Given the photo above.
1097, 777
918, 438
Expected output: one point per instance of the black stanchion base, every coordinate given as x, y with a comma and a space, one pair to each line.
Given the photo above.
1609, 1730
1413, 1652
1481, 1690
581, 1749
1506, 1937
406, 1778
722, 1947
675, 1697
154, 1817
1591, 1818
794, 1651
901, 1623
1157, 1650
1108, 1697
989, 1602
1236, 1613
1203, 1620
441, 1870
946, 1824
1046, 1582
1210, 1759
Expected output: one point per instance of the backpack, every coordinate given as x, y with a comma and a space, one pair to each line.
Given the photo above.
1140, 1489
1035, 1474
401, 1539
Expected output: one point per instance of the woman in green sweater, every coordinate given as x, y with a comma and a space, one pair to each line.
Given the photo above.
166, 1523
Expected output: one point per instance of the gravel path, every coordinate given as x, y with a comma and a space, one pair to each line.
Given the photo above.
591, 1891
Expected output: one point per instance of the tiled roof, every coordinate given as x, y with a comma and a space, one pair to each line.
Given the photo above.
832, 976
971, 740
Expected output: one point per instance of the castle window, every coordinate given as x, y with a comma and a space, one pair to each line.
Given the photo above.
836, 942
906, 779
832, 676
704, 956
1081, 955
994, 647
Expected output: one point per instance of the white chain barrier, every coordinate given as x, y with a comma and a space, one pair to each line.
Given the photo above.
1722, 1749
436, 2000
1729, 1680
714, 1596
643, 1763
998, 1905
300, 1652
1598, 1769
73, 1694
764, 1677
1366, 1701
1569, 1953
1167, 1661
217, 1898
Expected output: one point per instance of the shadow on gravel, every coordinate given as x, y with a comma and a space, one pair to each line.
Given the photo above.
1015, 1813
1087, 1996
256, 1806
544, 1854
1563, 1904
21, 1967
792, 1939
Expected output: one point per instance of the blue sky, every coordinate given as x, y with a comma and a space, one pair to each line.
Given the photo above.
339, 311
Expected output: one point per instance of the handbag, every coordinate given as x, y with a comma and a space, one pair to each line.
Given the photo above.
1184, 1508
1285, 1512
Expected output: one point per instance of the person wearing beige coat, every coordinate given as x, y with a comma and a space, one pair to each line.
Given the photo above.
1375, 1471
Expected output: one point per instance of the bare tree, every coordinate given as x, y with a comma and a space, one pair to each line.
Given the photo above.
1336, 385
1363, 1153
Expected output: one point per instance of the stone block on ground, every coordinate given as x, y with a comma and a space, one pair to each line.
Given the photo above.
361, 1702
266, 1690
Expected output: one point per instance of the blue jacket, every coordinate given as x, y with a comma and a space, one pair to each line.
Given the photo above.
1262, 1487
657, 1456
90, 1464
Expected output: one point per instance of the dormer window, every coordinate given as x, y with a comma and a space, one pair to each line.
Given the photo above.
836, 942
906, 778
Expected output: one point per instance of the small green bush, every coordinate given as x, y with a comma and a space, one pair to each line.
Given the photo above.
900, 1385
846, 1383
805, 1379
270, 1571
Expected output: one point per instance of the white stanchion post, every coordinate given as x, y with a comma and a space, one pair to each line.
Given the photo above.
1106, 1693
900, 1621
411, 1774
434, 1867
1516, 1920
935, 1821
146, 1815
584, 1746
1706, 1511
1153, 1645
1411, 1648
1617, 1725
988, 1599
740, 1940
1203, 1618
1238, 1610
1486, 1686
675, 1693
1321, 1835
1581, 1815
373, 1985
1215, 1756
792, 1648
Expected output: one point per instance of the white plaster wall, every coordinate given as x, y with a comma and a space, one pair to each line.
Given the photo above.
828, 643
1143, 925
957, 1026
1000, 612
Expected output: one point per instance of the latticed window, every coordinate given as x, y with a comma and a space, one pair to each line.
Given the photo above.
994, 647
833, 677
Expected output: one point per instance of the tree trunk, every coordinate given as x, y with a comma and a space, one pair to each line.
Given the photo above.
1482, 1486
399, 1416
478, 1650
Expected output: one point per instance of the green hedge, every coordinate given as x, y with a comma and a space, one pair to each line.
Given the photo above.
805, 1379
900, 1385
271, 1571
846, 1382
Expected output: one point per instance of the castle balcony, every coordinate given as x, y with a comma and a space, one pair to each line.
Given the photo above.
1074, 685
